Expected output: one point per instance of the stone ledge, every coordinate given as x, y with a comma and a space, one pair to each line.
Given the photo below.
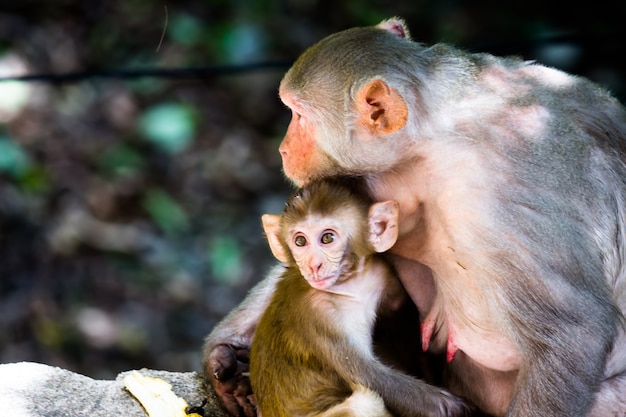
30, 389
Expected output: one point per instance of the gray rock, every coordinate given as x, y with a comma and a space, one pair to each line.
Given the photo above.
35, 390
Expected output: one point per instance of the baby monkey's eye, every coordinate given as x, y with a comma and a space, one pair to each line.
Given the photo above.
327, 238
300, 240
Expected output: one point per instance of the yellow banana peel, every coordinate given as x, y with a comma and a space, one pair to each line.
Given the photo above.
156, 396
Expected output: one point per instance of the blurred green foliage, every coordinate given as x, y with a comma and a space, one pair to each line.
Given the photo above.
225, 259
121, 160
187, 30
166, 212
14, 161
169, 126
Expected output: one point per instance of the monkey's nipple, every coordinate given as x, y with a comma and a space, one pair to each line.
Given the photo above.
451, 350
427, 328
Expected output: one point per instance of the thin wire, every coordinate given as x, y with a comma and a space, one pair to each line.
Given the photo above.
164, 29
134, 73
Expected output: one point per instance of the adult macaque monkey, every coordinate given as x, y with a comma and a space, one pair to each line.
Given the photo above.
312, 353
511, 183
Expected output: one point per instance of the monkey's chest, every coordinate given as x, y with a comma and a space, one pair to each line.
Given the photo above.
357, 319
486, 346
456, 313
461, 320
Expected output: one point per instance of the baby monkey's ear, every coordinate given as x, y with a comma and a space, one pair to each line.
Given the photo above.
271, 226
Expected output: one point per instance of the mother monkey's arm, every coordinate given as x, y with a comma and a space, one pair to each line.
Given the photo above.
225, 357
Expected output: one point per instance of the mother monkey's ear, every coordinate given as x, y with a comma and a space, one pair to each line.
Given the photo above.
380, 108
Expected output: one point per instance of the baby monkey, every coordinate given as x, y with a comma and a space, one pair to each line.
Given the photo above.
312, 352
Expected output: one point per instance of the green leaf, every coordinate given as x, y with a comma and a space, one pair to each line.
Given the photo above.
49, 332
244, 43
186, 29
166, 212
169, 126
13, 159
121, 159
35, 179
225, 259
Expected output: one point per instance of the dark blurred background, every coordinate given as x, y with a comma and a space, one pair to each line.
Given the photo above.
129, 207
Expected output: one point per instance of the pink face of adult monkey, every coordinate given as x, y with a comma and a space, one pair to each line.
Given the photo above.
512, 189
